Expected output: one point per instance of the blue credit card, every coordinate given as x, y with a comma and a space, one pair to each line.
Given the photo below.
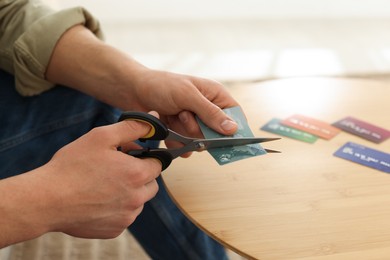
366, 156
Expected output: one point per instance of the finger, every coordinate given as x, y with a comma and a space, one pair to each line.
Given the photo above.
151, 189
122, 133
173, 144
130, 146
207, 104
215, 118
185, 124
133, 214
190, 124
157, 164
154, 113
142, 170
134, 146
143, 194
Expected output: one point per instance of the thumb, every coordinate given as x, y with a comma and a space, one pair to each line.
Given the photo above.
123, 132
215, 118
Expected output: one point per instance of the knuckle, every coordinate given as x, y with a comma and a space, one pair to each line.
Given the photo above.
156, 167
142, 195
133, 216
115, 233
136, 127
193, 129
155, 187
214, 111
99, 133
144, 171
138, 199
138, 177
130, 220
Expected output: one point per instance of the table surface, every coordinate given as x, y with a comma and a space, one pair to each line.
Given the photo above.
303, 203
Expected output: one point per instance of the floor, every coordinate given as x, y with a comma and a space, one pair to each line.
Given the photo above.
229, 51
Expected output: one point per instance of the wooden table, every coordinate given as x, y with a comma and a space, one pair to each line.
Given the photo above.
303, 203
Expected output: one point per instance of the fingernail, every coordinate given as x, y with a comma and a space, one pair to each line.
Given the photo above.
228, 125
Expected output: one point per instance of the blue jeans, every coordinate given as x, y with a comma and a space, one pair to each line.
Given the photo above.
32, 129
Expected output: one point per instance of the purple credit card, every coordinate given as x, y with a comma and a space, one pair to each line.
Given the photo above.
363, 129
365, 156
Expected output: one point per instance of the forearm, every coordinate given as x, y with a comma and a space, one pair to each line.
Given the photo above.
83, 62
25, 208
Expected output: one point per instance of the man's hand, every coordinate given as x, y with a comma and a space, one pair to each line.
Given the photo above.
89, 189
115, 78
180, 97
108, 185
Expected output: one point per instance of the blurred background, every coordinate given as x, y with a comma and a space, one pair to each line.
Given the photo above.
249, 39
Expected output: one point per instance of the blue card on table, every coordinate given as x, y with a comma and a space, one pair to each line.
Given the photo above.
366, 156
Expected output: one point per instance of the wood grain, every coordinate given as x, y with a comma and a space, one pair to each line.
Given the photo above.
303, 203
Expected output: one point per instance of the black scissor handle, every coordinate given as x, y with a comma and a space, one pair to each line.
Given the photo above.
164, 157
158, 131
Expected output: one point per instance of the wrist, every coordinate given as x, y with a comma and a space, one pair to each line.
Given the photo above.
129, 77
27, 204
94, 67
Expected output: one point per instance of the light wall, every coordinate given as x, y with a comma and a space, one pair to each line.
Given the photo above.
230, 9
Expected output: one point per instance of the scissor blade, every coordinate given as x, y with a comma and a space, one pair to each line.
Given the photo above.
272, 151
229, 142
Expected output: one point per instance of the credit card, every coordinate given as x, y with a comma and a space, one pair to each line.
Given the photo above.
363, 129
365, 156
274, 126
227, 155
313, 126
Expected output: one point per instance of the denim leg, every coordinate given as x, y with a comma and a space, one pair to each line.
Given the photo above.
32, 129
165, 233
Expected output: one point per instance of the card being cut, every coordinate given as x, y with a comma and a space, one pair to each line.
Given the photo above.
231, 154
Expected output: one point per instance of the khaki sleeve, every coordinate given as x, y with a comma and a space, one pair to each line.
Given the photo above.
29, 31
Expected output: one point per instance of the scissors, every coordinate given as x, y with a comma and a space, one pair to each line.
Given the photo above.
159, 131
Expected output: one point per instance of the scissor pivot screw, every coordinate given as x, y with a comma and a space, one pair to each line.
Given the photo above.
200, 146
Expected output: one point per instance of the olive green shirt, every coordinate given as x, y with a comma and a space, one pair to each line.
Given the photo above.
29, 31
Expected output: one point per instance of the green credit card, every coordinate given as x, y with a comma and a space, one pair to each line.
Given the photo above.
227, 155
274, 126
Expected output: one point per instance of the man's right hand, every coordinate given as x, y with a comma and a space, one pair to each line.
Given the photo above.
89, 189
102, 189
